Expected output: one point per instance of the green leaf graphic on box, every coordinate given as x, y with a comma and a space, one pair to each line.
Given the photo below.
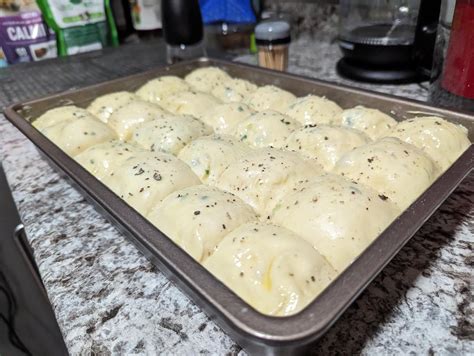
80, 25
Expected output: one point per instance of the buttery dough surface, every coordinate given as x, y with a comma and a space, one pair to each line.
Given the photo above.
101, 159
233, 90
392, 167
208, 156
312, 109
124, 119
206, 79
373, 122
265, 175
144, 179
266, 128
224, 117
157, 89
192, 103
442, 140
198, 217
271, 268
270, 97
340, 218
60, 114
325, 144
76, 135
168, 134
105, 105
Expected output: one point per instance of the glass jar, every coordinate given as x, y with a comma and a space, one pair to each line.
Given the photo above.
378, 23
273, 40
452, 81
377, 40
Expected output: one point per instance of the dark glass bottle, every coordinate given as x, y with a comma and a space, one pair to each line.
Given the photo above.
183, 29
123, 18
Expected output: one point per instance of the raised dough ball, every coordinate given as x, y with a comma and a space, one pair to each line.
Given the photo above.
190, 103
146, 178
270, 97
197, 218
209, 156
266, 128
101, 159
124, 119
157, 89
442, 140
105, 105
371, 121
233, 90
312, 109
75, 136
206, 79
338, 217
224, 117
392, 167
325, 144
60, 114
265, 175
274, 270
169, 134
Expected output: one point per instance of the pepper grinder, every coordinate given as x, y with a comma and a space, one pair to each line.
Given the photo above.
183, 29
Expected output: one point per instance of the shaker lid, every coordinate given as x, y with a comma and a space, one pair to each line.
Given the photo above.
273, 31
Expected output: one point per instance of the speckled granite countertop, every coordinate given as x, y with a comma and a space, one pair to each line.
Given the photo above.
109, 299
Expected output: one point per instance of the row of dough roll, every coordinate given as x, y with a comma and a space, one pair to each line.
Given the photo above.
162, 97
274, 194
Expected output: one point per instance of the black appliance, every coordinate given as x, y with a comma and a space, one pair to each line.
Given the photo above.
387, 41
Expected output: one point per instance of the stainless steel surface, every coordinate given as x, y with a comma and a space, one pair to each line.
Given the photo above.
254, 331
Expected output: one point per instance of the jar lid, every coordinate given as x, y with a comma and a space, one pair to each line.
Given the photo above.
274, 32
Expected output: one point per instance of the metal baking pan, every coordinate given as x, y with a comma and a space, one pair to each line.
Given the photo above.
256, 332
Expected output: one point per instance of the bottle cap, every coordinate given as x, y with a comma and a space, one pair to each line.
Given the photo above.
273, 32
